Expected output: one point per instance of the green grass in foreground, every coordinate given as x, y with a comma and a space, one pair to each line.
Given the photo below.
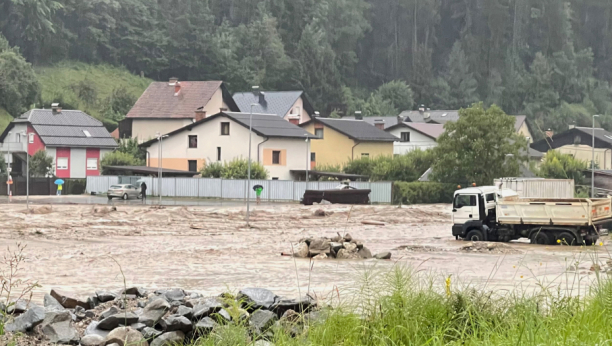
397, 308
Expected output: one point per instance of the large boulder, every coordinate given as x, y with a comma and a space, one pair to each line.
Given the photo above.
51, 304
185, 311
113, 321
108, 312
319, 246
174, 323
67, 301
150, 333
19, 306
365, 253
125, 336
257, 298
153, 312
300, 305
92, 340
350, 247
262, 320
58, 328
206, 308
204, 326
346, 254
301, 250
106, 296
175, 295
26, 321
92, 329
169, 339
383, 255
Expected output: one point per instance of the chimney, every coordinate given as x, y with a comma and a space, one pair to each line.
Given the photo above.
223, 109
255, 90
173, 80
262, 97
550, 133
55, 107
200, 114
358, 115
572, 126
316, 114
399, 119
177, 88
379, 124
422, 109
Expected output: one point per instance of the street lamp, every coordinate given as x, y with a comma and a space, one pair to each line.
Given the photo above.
248, 196
159, 171
307, 160
25, 135
593, 158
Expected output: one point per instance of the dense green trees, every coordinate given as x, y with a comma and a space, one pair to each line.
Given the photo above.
549, 59
41, 164
18, 84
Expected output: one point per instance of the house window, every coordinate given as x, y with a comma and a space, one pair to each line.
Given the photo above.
276, 157
225, 129
274, 178
18, 137
31, 138
193, 142
87, 134
405, 136
319, 133
313, 157
193, 165
218, 153
92, 164
62, 163
365, 155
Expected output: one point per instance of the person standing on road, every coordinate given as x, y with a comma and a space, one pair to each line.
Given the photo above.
59, 189
258, 189
143, 192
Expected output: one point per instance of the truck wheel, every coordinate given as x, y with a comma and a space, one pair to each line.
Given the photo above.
540, 238
474, 235
567, 238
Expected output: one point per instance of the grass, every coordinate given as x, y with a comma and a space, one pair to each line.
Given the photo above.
404, 307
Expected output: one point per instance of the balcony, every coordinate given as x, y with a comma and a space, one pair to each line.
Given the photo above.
13, 147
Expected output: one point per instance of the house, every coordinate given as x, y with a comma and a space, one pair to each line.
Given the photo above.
340, 140
292, 106
578, 141
414, 136
76, 141
277, 144
168, 106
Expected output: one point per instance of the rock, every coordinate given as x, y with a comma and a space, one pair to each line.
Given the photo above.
257, 298
93, 302
26, 321
153, 312
174, 323
262, 320
138, 326
106, 296
150, 333
337, 239
108, 312
319, 246
348, 237
223, 314
290, 316
595, 267
169, 339
206, 308
306, 240
175, 295
141, 304
69, 302
113, 321
383, 255
58, 328
126, 297
319, 212
358, 243
92, 340
126, 336
92, 329
51, 304
365, 253
263, 343
315, 317
131, 290
301, 250
335, 247
90, 314
19, 306
300, 305
345, 254
113, 344
350, 247
320, 256
185, 311
205, 326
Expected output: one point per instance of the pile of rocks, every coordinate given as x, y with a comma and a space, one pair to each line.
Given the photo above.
340, 247
138, 317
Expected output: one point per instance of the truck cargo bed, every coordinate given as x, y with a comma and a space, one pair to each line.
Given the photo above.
554, 211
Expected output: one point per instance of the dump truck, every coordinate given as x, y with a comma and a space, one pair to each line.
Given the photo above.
488, 213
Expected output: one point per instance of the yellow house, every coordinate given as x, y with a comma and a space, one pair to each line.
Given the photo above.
341, 140
578, 142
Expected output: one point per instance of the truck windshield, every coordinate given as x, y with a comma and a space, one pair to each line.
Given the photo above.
464, 201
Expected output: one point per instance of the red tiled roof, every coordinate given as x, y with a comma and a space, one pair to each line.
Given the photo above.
158, 101
115, 134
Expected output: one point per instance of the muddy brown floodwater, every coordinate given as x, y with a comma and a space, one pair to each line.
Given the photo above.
210, 249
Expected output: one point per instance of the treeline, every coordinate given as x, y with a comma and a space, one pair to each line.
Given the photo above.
549, 59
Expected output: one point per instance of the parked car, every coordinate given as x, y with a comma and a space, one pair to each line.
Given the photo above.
123, 191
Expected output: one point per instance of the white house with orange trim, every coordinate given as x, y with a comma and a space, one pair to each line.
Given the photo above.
280, 146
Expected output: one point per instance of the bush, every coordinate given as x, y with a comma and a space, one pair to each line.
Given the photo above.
235, 169
74, 186
562, 166
422, 192
406, 167
118, 158
41, 164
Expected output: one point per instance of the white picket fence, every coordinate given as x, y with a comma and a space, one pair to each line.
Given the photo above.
273, 190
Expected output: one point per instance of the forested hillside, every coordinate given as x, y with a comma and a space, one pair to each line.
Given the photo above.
549, 59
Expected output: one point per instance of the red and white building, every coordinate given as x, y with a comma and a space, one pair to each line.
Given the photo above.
76, 141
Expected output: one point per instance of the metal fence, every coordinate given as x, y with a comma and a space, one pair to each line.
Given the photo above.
274, 190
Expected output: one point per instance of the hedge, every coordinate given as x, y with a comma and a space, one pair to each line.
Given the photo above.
422, 192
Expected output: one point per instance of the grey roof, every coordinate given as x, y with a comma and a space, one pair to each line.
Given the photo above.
269, 125
388, 121
66, 128
436, 116
358, 130
276, 102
